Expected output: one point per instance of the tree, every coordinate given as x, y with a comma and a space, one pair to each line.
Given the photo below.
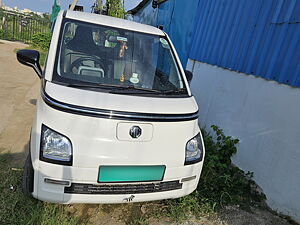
46, 16
115, 8
98, 7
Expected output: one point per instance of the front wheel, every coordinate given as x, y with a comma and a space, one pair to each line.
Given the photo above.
27, 179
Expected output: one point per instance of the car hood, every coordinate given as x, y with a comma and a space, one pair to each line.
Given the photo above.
119, 102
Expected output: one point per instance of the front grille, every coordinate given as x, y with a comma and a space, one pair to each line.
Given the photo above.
77, 188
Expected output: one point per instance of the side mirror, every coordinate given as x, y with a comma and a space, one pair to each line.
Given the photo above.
30, 58
189, 75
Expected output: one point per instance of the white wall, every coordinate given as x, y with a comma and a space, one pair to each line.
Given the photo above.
265, 116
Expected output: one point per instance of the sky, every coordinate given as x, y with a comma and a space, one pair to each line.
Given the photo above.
46, 5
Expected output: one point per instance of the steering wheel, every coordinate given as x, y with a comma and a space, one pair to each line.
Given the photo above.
74, 67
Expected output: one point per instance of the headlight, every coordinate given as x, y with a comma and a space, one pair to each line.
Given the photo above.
55, 147
194, 150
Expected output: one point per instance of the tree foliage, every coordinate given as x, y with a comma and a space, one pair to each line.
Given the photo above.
115, 8
98, 6
41, 40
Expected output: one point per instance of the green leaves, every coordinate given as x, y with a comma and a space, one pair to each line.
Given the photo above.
115, 8
221, 182
41, 40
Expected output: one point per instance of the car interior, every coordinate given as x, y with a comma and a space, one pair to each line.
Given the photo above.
104, 55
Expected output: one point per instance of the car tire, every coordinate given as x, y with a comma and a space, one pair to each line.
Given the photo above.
28, 175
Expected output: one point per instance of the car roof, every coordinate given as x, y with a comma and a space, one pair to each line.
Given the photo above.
113, 22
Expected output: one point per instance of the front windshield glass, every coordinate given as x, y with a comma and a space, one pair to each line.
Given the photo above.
124, 60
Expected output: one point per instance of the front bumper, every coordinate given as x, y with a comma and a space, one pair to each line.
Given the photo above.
83, 186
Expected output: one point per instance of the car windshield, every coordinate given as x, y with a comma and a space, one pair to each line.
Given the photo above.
116, 60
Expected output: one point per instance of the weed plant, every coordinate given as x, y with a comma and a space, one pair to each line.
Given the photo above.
221, 182
16, 208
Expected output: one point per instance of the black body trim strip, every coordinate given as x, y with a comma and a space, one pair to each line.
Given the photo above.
115, 189
118, 115
65, 13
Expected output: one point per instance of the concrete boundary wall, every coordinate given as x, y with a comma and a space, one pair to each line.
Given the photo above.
265, 117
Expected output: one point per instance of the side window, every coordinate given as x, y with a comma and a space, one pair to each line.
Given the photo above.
166, 63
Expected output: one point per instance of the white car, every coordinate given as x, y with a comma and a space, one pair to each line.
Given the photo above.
115, 121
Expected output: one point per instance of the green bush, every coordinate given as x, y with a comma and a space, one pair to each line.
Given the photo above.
6, 36
2, 34
41, 40
221, 182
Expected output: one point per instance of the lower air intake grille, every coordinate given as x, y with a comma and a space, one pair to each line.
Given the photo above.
76, 188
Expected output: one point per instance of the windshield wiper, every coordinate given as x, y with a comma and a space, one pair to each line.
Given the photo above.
175, 91
133, 90
106, 86
118, 89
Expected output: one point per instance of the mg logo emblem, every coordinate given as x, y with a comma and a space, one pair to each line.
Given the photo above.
129, 199
135, 131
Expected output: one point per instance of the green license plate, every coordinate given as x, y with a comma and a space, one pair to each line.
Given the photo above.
130, 173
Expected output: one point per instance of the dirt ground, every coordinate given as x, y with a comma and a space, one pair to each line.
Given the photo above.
123, 214
19, 87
